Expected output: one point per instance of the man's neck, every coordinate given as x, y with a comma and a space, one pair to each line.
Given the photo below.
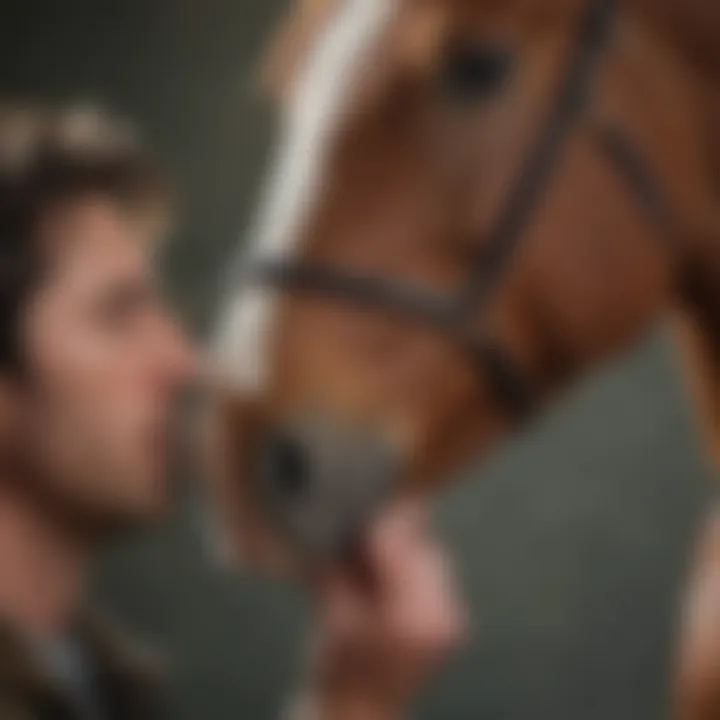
42, 567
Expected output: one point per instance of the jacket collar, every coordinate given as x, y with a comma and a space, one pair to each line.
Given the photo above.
132, 672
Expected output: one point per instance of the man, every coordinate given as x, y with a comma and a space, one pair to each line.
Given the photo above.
91, 364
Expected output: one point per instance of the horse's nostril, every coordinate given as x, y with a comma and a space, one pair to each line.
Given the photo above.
287, 464
320, 483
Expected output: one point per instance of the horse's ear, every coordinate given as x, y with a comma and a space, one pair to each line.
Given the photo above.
291, 42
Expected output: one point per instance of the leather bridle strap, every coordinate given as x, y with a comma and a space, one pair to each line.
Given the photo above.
639, 178
405, 299
540, 165
455, 314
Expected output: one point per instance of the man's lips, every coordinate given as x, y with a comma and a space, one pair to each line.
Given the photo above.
158, 447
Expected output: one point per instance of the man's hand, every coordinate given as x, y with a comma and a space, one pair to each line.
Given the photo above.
388, 618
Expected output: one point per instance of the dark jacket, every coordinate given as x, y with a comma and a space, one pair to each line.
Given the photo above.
129, 679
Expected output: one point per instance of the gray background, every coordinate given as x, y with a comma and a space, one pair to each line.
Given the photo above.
573, 542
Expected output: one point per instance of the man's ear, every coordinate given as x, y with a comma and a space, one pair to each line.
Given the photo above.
291, 43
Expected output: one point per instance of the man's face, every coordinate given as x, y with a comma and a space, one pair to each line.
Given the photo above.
105, 364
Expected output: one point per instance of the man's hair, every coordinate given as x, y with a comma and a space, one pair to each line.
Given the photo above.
51, 157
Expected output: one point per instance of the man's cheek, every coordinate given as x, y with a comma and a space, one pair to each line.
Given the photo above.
134, 431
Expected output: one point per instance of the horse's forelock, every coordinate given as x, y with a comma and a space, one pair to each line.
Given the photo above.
296, 34
306, 21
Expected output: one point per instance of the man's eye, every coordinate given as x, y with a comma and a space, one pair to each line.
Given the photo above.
123, 309
473, 72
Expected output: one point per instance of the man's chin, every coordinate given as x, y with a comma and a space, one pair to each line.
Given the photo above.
108, 524
104, 520
123, 502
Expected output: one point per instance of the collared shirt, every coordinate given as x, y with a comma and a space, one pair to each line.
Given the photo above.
95, 674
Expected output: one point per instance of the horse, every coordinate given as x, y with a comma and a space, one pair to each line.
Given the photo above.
473, 204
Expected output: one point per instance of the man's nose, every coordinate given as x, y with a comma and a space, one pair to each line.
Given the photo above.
181, 356
320, 483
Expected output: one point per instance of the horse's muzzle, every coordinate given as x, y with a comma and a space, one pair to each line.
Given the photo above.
320, 484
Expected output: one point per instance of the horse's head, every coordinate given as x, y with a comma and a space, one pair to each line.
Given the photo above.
463, 212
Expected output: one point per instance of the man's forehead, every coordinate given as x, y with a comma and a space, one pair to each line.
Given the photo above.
93, 236
95, 219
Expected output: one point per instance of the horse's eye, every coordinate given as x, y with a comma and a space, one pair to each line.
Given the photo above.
473, 72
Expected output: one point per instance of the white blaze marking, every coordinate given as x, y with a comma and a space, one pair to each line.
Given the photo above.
244, 342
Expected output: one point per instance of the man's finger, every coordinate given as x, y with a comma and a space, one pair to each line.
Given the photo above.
390, 542
343, 605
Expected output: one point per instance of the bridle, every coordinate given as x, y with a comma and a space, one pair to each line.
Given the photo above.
454, 314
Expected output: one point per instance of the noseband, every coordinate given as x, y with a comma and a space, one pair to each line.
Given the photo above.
454, 314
